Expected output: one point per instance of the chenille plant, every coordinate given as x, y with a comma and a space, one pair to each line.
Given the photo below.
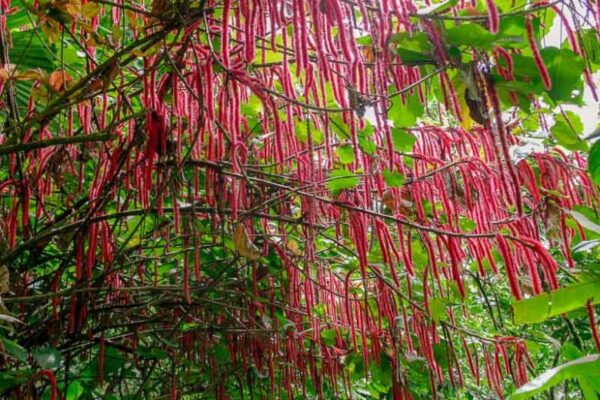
299, 199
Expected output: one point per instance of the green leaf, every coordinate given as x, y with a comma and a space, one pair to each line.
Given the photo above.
75, 390
402, 140
413, 48
571, 119
594, 162
15, 350
328, 336
301, 129
588, 40
566, 131
467, 224
570, 352
440, 353
512, 32
420, 255
253, 107
584, 367
439, 7
566, 71
393, 178
438, 309
346, 154
365, 40
585, 221
151, 353
47, 357
472, 35
367, 145
9, 379
221, 353
28, 51
405, 115
543, 306
411, 57
341, 179
566, 137
319, 309
113, 360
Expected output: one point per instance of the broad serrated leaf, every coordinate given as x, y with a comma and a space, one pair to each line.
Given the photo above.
403, 141
393, 178
341, 179
346, 154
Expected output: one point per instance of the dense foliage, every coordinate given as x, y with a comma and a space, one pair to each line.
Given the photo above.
298, 199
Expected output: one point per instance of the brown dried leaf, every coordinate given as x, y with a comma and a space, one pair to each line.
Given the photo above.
59, 80
4, 279
407, 201
7, 72
388, 199
553, 215
159, 7
243, 244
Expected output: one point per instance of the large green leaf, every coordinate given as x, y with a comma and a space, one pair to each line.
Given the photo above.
584, 367
413, 48
346, 154
28, 51
403, 141
588, 40
541, 307
472, 35
566, 71
566, 131
594, 162
341, 179
393, 178
405, 114
14, 349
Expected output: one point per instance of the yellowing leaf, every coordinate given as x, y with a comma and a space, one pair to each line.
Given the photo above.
90, 10
465, 115
31, 75
51, 29
7, 72
292, 246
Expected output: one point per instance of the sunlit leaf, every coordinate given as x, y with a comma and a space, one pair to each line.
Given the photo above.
547, 305
583, 367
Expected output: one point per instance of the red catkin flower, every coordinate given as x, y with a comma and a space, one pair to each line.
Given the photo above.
510, 266
51, 378
593, 324
493, 16
539, 62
